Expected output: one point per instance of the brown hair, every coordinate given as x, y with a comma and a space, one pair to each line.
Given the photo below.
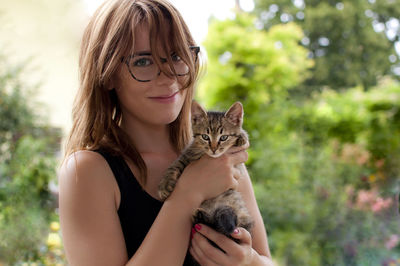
108, 37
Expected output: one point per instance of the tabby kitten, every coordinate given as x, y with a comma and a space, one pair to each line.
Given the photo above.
213, 134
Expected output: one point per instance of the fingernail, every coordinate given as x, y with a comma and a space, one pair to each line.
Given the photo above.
236, 231
193, 232
197, 226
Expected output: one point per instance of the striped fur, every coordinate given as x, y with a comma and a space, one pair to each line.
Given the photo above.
213, 134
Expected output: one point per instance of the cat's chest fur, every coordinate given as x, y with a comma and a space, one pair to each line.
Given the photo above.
213, 134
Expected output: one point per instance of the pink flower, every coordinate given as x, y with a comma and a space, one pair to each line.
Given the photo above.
369, 200
392, 242
365, 199
381, 204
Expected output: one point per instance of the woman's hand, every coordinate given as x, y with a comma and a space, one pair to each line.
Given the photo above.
206, 254
209, 177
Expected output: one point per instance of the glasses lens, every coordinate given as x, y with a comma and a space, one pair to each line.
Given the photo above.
180, 67
143, 68
195, 51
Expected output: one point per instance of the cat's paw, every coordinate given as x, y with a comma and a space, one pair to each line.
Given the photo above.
166, 187
241, 141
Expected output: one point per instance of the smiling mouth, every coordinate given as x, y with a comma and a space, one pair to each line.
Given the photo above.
164, 99
166, 96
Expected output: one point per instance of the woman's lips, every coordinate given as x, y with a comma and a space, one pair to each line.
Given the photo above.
166, 99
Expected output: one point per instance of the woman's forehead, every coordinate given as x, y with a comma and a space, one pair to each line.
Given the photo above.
142, 39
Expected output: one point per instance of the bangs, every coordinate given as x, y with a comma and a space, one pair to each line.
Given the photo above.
168, 35
111, 37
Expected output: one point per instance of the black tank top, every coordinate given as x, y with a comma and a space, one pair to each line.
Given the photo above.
137, 210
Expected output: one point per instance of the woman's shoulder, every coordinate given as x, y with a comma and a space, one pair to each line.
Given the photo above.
83, 160
85, 169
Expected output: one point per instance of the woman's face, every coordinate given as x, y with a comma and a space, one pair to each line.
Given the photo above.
156, 102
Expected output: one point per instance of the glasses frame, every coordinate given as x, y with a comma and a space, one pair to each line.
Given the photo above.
195, 49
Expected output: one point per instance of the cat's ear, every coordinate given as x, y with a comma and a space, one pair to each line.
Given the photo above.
235, 114
198, 113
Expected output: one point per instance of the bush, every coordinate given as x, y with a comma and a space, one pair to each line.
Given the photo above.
330, 179
325, 168
27, 167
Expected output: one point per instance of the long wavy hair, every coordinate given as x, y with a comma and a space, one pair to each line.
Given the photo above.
109, 36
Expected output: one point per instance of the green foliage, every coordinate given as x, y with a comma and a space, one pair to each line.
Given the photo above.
27, 166
346, 38
16, 117
315, 174
325, 169
260, 66
253, 66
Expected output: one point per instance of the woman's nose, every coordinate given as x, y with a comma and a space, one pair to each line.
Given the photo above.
166, 78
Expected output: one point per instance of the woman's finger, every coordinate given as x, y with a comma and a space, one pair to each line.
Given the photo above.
203, 251
219, 239
243, 235
235, 149
237, 173
196, 256
238, 157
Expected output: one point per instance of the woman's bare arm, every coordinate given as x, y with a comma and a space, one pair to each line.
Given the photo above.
91, 229
259, 235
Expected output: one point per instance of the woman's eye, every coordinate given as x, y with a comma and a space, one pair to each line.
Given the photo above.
142, 62
223, 138
205, 137
176, 58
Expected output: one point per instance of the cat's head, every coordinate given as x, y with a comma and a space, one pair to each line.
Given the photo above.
216, 132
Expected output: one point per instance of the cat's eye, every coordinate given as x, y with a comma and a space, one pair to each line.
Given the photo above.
223, 137
205, 137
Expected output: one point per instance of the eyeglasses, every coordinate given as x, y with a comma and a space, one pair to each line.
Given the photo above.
143, 68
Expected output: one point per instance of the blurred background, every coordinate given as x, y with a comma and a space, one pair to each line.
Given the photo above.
319, 81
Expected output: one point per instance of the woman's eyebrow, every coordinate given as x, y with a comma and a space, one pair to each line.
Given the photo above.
141, 53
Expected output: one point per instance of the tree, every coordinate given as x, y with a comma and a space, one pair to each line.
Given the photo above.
28, 149
351, 41
312, 162
255, 67
251, 65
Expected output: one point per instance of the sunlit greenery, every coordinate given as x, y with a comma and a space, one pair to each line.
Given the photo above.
351, 41
27, 168
326, 166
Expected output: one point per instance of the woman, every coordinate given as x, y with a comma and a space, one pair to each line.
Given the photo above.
138, 67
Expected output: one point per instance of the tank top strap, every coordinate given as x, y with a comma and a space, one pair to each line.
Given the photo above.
127, 182
120, 169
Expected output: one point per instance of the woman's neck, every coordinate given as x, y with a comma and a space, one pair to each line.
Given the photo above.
148, 138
